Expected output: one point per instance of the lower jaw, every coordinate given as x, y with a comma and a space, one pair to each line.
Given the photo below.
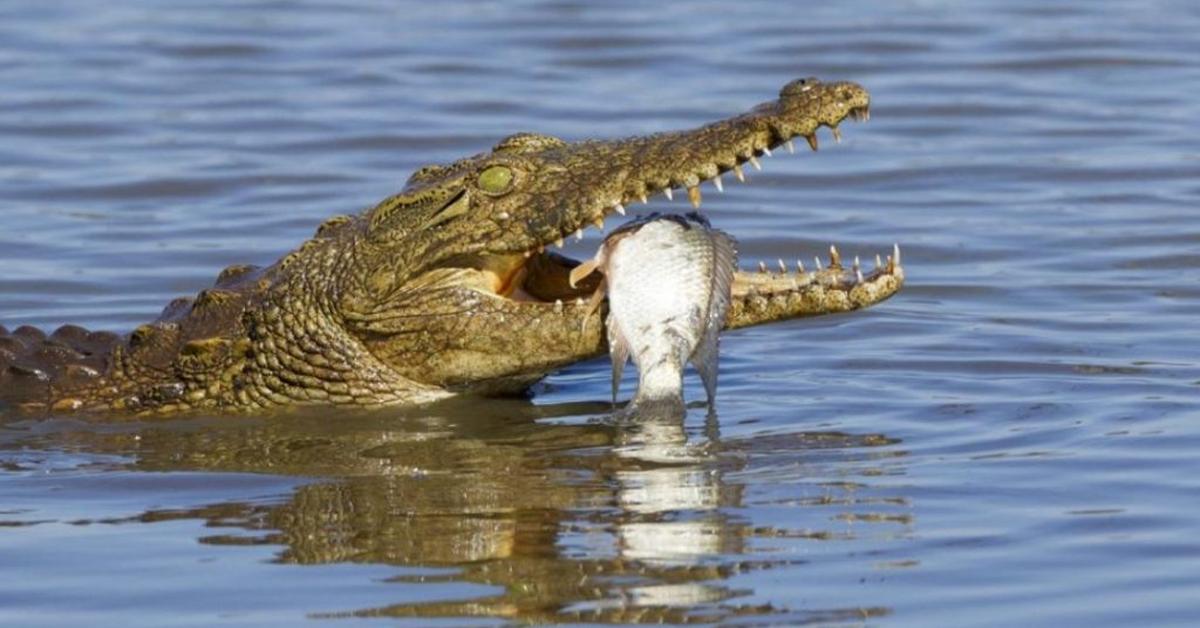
543, 279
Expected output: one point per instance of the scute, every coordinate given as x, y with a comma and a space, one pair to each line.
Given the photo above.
528, 143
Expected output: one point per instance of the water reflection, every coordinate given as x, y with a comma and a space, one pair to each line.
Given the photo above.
572, 519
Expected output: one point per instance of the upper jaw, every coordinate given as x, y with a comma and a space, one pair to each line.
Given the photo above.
619, 173
614, 174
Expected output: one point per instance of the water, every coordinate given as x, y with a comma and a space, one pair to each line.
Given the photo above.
1013, 439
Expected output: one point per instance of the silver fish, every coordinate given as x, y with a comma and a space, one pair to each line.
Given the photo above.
668, 280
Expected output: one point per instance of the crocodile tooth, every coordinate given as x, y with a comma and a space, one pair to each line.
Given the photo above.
717, 182
669, 193
579, 234
579, 301
619, 208
858, 275
503, 216
896, 253
643, 199
559, 242
878, 261
856, 264
737, 172
558, 305
818, 261
599, 222
835, 258
799, 267
754, 162
767, 151
837, 134
694, 196
891, 265
782, 266
791, 146
762, 267
812, 141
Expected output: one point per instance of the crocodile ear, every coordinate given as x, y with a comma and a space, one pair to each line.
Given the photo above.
427, 173
404, 212
528, 143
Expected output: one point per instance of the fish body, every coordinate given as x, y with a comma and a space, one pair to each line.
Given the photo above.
668, 281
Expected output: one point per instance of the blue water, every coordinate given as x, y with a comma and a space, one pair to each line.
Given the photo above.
1013, 439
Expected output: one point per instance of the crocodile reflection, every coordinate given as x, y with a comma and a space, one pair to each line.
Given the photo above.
600, 520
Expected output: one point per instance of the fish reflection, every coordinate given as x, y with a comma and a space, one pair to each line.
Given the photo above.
574, 520
671, 506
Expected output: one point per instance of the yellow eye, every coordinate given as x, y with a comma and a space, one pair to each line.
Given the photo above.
496, 179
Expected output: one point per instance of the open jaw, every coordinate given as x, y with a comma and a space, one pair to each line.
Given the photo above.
447, 286
537, 277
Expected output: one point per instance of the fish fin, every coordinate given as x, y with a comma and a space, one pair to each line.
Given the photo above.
597, 297
618, 350
724, 267
584, 269
704, 357
593, 303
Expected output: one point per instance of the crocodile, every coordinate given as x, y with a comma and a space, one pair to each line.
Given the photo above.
445, 288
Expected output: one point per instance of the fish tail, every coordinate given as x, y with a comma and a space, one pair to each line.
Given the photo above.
667, 405
661, 387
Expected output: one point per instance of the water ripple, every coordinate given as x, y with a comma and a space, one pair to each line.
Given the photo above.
1014, 435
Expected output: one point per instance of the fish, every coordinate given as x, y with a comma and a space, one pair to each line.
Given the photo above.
668, 279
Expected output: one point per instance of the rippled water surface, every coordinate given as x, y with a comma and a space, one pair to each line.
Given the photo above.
1013, 439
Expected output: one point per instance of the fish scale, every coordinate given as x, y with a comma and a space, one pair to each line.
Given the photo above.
668, 279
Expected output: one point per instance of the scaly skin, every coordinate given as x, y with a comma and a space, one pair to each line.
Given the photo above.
442, 289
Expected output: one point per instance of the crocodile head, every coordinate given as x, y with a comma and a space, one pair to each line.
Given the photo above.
454, 287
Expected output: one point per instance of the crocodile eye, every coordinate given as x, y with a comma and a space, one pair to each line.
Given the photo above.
496, 179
